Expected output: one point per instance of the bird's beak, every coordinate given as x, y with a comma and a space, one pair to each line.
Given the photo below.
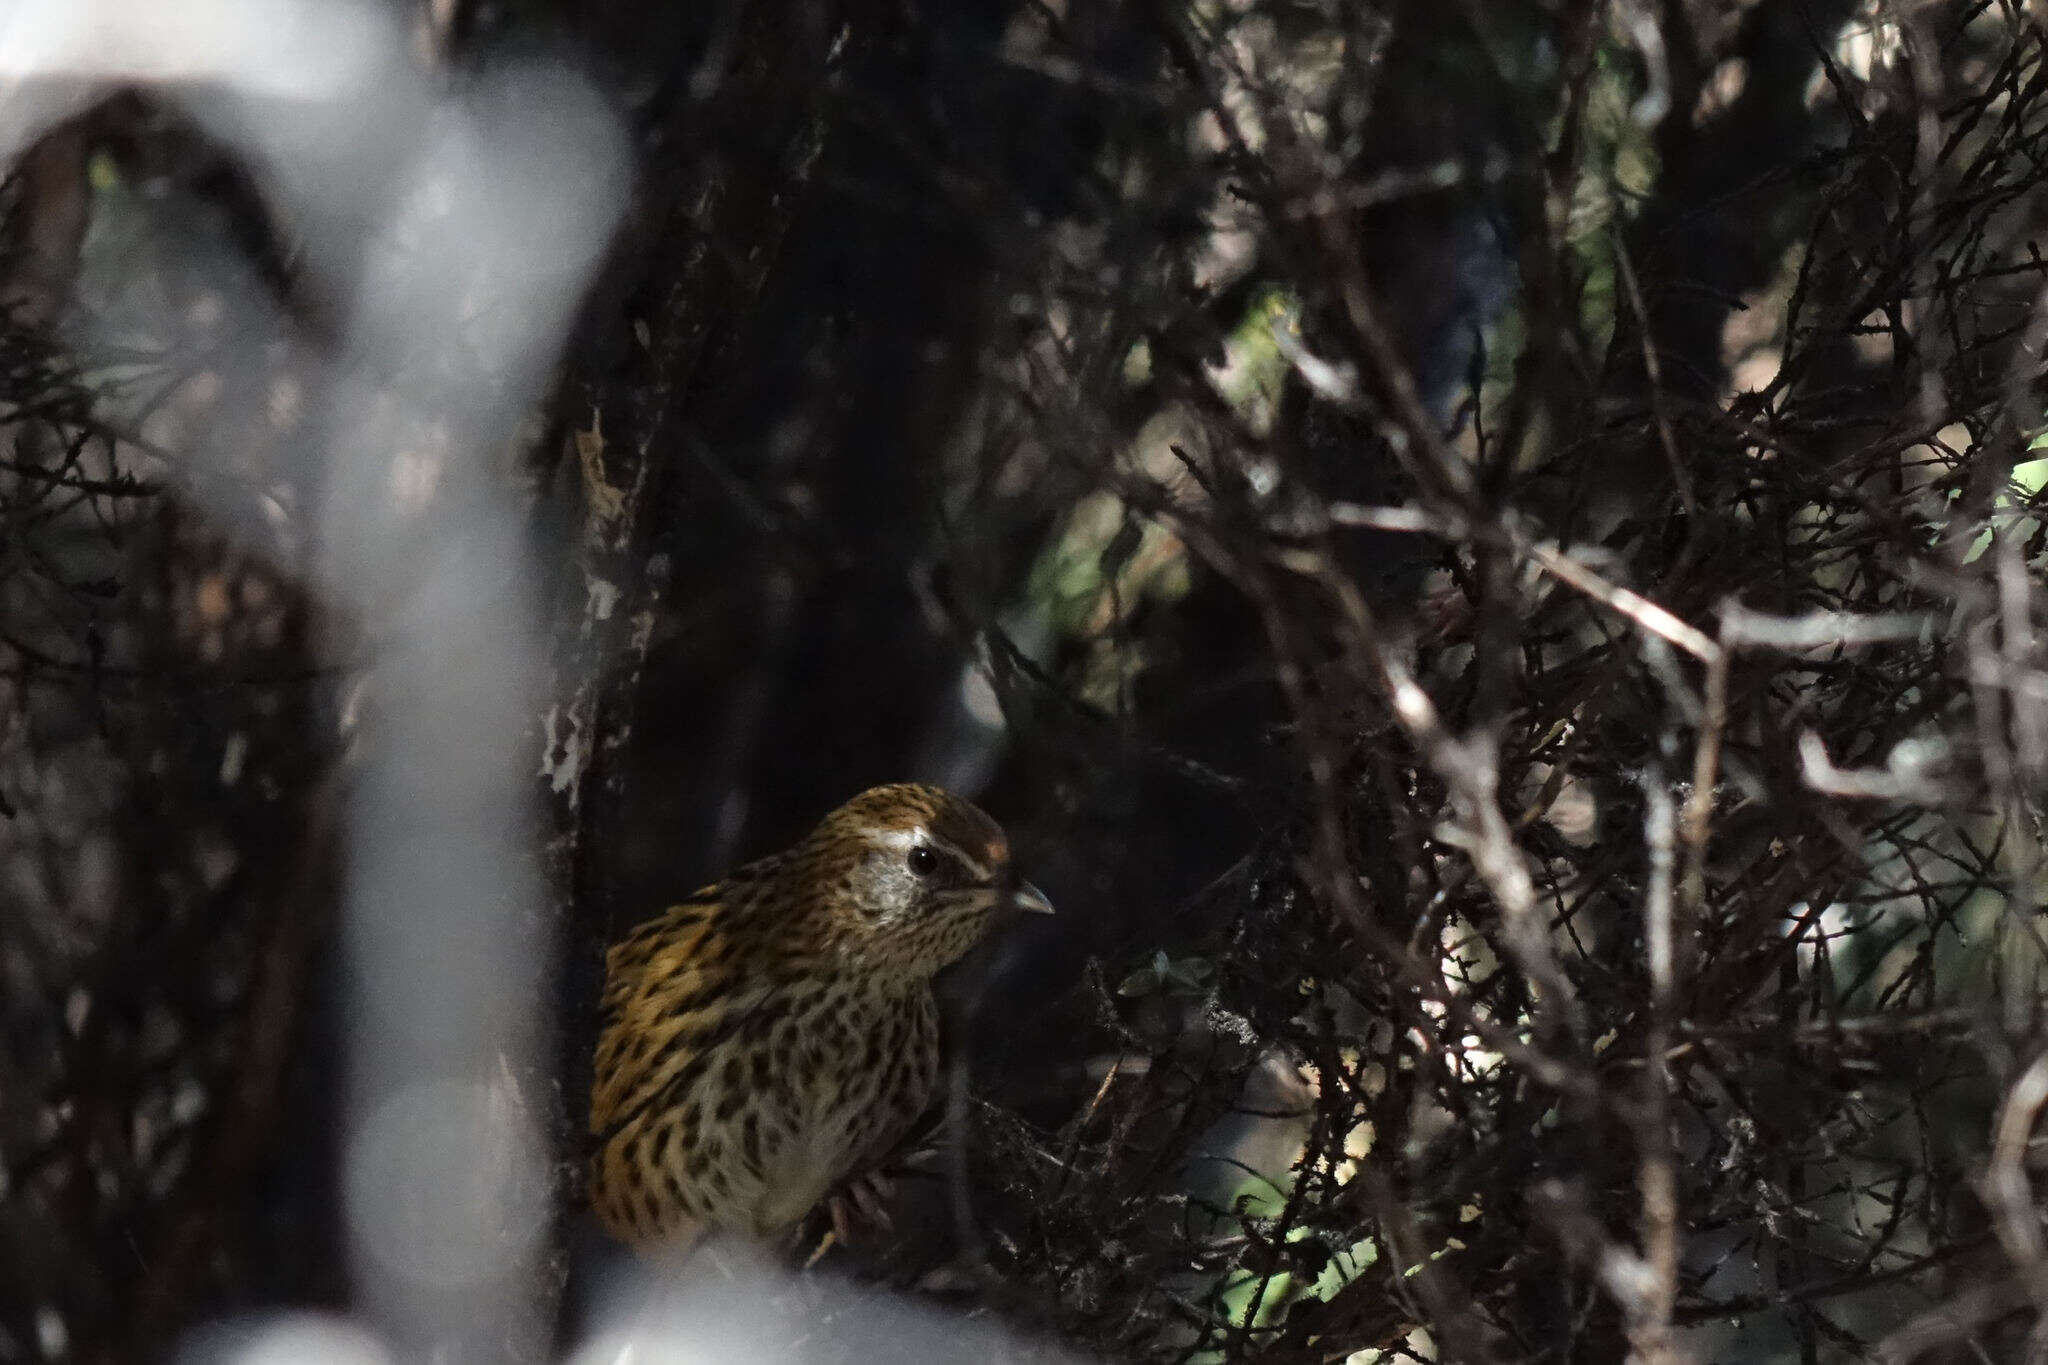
1029, 898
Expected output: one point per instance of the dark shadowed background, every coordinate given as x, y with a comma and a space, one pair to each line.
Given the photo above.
1488, 555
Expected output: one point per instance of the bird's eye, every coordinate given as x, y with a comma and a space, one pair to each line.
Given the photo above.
923, 861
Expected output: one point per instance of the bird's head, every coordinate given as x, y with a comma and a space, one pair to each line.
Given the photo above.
909, 876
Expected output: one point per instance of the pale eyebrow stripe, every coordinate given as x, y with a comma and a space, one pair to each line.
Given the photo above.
903, 840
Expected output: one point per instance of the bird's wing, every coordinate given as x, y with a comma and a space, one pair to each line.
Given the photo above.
660, 981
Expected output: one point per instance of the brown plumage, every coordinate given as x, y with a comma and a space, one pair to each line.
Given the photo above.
776, 1033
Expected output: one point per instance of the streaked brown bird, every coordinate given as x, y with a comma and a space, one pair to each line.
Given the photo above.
776, 1034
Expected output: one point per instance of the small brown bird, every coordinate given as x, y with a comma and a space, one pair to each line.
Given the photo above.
776, 1033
